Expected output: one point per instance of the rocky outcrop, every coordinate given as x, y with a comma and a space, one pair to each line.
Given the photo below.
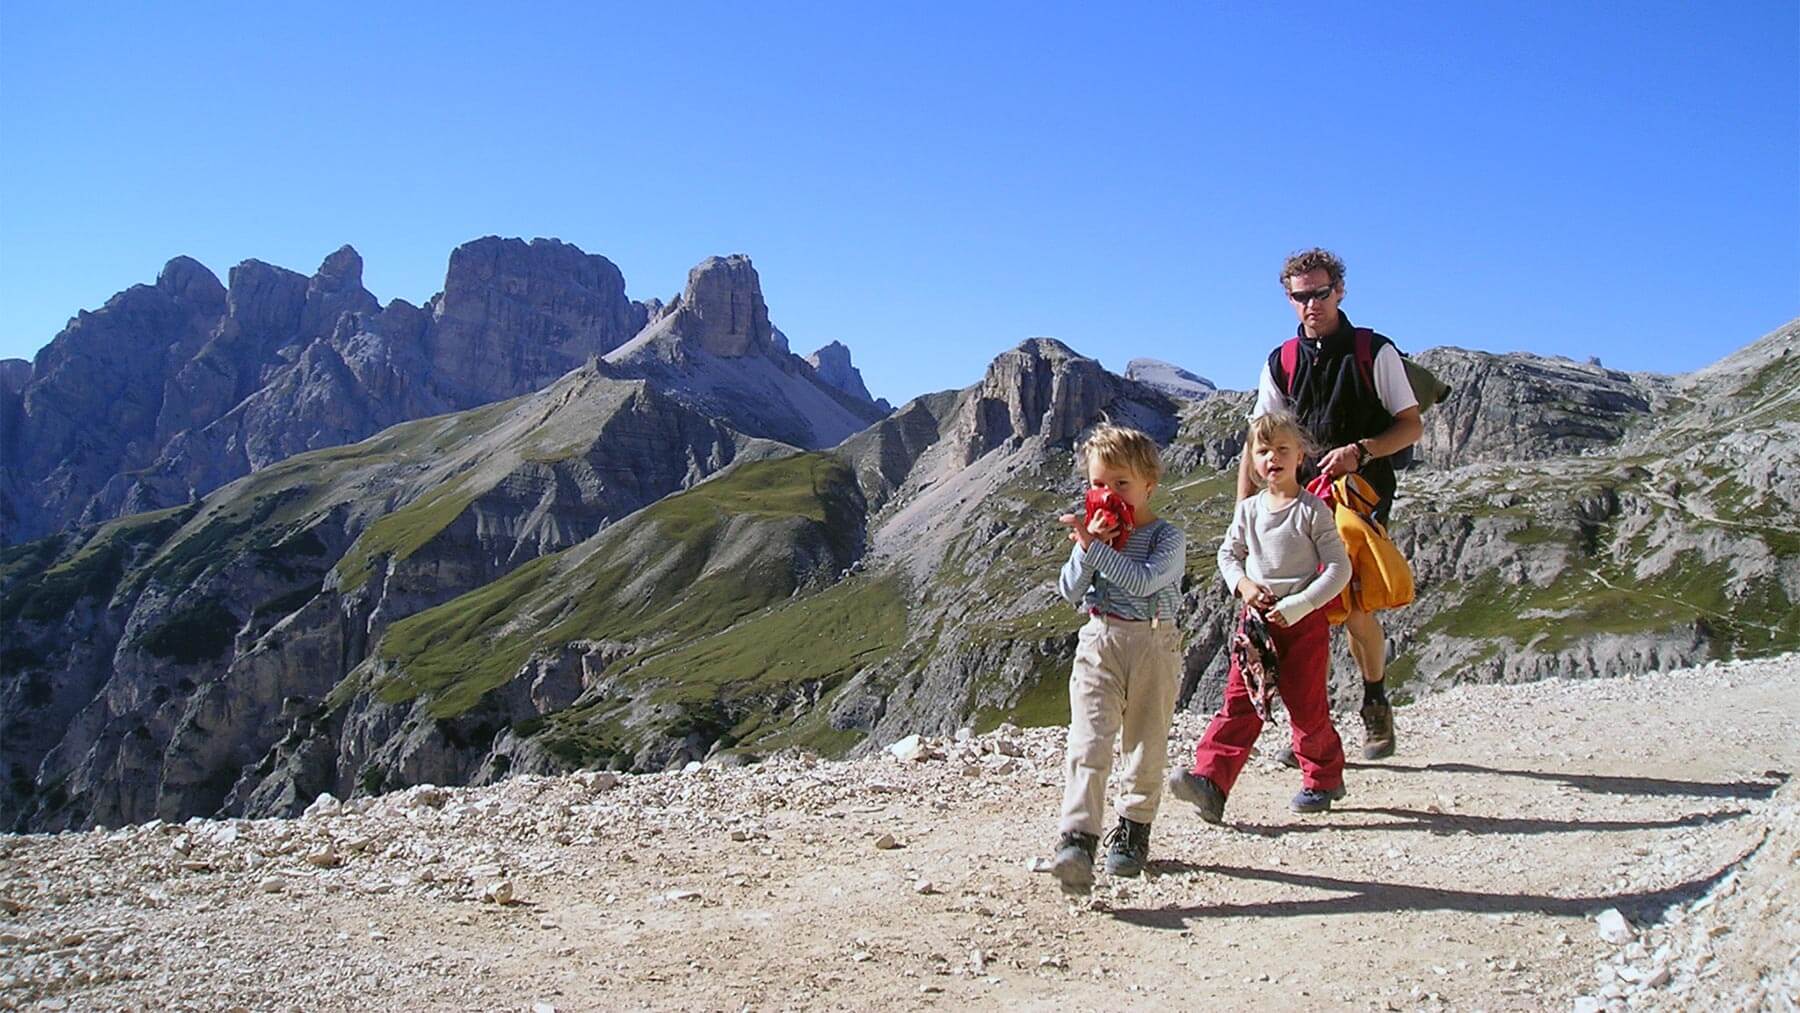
14, 375
1527, 407
91, 407
514, 316
1044, 389
1170, 379
715, 348
833, 365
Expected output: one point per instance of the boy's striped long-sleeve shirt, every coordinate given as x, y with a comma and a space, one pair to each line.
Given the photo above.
1141, 582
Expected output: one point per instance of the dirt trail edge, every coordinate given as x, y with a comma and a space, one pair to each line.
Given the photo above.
1621, 843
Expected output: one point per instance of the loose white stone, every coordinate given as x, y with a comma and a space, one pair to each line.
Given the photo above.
1613, 926
886, 842
325, 805
911, 748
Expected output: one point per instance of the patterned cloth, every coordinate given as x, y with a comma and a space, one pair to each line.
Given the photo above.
1254, 651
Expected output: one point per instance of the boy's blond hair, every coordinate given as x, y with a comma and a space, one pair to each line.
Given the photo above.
1265, 428
1126, 448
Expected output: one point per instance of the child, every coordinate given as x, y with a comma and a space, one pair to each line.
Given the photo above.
1127, 660
1283, 557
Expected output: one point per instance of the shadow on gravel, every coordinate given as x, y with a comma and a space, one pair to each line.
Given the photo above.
1361, 896
1605, 783
1448, 824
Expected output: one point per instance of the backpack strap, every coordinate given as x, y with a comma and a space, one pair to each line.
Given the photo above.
1363, 346
1287, 357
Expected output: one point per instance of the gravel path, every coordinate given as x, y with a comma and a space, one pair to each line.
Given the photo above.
1627, 843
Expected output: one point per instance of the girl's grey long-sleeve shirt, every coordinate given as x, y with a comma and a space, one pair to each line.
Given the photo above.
1141, 582
1293, 550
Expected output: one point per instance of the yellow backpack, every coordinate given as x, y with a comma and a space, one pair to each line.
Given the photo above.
1379, 575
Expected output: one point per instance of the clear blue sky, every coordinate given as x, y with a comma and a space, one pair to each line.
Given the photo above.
932, 184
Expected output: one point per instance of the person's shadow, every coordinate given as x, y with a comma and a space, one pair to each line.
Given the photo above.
1363, 896
1606, 783
1355, 896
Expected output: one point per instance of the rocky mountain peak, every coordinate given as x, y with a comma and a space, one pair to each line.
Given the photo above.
340, 271
833, 365
266, 299
514, 316
187, 280
1170, 379
722, 308
1046, 388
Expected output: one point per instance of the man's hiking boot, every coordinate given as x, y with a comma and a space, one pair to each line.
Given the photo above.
1127, 848
1073, 865
1285, 756
1316, 800
1201, 792
1378, 730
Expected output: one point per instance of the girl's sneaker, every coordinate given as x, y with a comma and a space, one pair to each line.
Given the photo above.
1316, 800
1199, 791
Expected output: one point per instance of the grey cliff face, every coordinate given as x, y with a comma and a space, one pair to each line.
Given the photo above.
514, 316
714, 347
14, 375
1516, 406
722, 308
90, 409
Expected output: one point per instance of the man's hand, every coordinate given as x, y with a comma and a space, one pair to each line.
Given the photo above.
1255, 595
1341, 461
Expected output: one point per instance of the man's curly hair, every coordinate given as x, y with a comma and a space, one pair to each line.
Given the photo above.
1315, 259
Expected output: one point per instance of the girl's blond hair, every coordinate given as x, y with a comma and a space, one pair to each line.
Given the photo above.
1265, 428
1125, 448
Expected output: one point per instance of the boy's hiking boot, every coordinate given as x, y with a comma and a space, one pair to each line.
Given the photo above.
1285, 757
1316, 800
1199, 791
1127, 848
1378, 730
1073, 865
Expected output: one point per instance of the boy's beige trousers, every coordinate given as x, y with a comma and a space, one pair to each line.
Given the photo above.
1123, 684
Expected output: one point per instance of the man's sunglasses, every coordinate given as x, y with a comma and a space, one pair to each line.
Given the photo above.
1321, 294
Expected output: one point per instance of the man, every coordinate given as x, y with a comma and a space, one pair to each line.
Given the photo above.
1360, 415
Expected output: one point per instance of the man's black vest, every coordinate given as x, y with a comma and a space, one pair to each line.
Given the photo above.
1335, 402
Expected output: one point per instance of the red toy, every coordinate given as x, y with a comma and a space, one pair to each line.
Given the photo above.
1113, 512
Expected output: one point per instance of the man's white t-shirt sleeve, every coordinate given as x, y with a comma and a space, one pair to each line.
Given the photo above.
1268, 398
1391, 384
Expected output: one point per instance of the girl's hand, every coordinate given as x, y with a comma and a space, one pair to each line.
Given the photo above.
1255, 595
1287, 612
1101, 530
1077, 532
